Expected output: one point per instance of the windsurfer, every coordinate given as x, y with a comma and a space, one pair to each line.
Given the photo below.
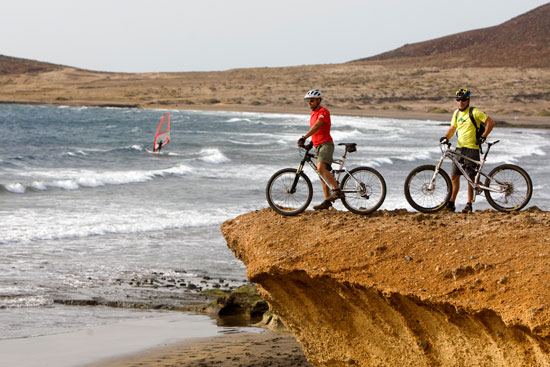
158, 148
162, 136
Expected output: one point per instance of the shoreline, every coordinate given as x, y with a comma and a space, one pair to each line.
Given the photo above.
268, 348
511, 121
106, 345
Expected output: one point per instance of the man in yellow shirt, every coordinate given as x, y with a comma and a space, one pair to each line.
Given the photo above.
468, 144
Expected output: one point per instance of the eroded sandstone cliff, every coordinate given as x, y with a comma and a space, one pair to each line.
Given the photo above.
404, 289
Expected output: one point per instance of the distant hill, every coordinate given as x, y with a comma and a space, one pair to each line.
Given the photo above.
14, 65
523, 41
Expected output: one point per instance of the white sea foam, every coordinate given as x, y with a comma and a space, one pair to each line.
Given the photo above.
238, 142
237, 119
16, 188
377, 162
77, 153
64, 184
179, 170
418, 155
55, 224
37, 185
513, 149
338, 135
73, 180
213, 155
18, 301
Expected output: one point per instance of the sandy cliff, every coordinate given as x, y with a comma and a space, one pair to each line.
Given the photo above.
405, 289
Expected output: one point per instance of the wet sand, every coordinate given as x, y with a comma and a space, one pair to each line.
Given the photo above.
111, 342
274, 349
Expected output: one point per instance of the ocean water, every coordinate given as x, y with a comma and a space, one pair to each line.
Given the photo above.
85, 211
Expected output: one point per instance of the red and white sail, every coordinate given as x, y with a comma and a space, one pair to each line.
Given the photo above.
162, 135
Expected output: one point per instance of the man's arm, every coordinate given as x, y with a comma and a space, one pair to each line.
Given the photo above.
314, 128
490, 124
310, 132
450, 132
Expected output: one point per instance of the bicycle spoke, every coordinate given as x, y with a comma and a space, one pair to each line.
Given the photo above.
283, 197
365, 190
420, 195
512, 185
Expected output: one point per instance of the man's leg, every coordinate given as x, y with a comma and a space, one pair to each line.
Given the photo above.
468, 208
327, 203
471, 190
474, 154
322, 167
455, 179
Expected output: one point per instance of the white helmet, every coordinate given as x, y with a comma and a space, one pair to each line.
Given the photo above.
314, 93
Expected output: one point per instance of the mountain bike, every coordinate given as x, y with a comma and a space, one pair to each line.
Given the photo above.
507, 187
289, 191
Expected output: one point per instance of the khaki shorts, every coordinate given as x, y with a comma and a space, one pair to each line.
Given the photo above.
324, 153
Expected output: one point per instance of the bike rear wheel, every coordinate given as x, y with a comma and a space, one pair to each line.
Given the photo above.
419, 194
365, 190
285, 200
514, 188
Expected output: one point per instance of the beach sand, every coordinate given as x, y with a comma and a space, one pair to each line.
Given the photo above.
274, 349
173, 339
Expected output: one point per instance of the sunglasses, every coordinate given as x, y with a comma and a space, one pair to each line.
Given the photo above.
462, 99
310, 100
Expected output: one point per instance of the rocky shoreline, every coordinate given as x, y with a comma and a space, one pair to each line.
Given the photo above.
233, 302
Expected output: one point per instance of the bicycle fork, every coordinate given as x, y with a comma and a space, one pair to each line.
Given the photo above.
292, 188
431, 186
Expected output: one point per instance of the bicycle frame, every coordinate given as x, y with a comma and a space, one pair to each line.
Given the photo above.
308, 157
453, 156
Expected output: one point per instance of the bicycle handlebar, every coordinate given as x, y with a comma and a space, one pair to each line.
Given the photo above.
448, 143
307, 147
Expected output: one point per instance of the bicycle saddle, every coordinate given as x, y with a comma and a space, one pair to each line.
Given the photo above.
350, 147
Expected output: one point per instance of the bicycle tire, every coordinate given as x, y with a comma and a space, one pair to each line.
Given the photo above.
420, 197
281, 200
366, 197
518, 188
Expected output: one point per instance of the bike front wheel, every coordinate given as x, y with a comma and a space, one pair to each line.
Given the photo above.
289, 193
421, 196
511, 188
364, 189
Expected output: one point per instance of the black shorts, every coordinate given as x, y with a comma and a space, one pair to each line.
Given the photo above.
469, 167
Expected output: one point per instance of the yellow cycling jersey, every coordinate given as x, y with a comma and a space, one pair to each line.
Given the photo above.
465, 127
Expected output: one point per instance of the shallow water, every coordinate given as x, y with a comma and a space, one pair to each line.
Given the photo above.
85, 210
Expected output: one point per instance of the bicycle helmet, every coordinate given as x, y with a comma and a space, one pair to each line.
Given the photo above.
314, 93
463, 93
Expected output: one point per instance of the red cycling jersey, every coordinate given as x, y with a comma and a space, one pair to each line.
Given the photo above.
323, 134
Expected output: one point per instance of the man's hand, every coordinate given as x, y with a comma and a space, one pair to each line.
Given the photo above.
443, 140
481, 140
301, 141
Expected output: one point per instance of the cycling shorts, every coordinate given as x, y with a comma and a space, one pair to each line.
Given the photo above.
469, 167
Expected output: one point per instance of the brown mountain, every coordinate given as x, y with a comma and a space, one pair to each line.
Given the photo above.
523, 41
15, 65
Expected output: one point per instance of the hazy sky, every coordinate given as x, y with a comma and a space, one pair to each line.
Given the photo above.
199, 35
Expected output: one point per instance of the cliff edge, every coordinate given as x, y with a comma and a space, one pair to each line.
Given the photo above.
404, 289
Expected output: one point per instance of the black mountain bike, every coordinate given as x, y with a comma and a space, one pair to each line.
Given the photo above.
289, 191
507, 187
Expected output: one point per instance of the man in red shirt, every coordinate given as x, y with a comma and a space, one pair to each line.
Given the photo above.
319, 130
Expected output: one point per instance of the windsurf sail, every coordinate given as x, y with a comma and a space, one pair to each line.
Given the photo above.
162, 136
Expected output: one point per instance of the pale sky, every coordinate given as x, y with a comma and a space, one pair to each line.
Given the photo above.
204, 35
